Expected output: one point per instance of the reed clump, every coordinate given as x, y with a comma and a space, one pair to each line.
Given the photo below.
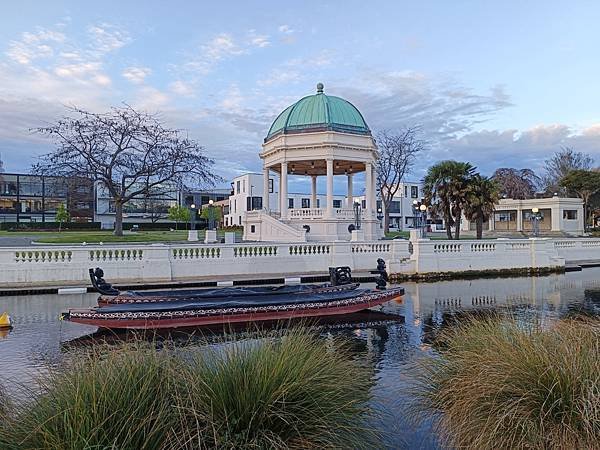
286, 390
291, 392
500, 384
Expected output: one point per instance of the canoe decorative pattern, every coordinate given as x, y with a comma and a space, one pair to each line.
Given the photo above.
365, 298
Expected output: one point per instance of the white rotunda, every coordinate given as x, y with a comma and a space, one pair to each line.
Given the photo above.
319, 135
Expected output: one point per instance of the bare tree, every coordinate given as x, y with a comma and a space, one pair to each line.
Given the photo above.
516, 183
131, 153
560, 164
396, 153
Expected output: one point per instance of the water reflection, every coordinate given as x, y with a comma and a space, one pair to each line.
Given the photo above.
391, 337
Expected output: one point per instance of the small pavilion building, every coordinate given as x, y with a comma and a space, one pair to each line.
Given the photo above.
318, 136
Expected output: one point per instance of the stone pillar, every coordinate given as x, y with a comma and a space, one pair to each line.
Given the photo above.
350, 192
519, 219
313, 192
283, 191
329, 188
556, 218
265, 189
369, 194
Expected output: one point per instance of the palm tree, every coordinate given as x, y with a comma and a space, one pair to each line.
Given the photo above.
483, 194
446, 187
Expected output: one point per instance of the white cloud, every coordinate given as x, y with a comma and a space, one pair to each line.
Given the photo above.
260, 41
180, 87
220, 47
35, 45
297, 69
107, 38
136, 75
285, 29
232, 101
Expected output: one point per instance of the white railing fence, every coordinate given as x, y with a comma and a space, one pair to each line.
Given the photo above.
61, 265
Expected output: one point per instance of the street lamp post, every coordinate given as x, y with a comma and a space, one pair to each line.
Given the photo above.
192, 233
535, 221
211, 215
192, 216
423, 209
415, 207
379, 217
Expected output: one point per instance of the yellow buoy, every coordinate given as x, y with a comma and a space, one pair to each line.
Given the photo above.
5, 321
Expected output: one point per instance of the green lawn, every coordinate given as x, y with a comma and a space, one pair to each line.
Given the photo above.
94, 237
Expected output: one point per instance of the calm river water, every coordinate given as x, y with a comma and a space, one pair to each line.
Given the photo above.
393, 338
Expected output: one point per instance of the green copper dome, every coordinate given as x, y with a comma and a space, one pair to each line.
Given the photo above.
319, 112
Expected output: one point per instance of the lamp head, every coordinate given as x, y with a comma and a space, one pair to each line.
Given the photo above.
423, 208
193, 206
211, 201
535, 210
415, 202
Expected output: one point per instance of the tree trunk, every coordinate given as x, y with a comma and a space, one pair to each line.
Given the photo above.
386, 222
479, 227
457, 225
448, 227
118, 218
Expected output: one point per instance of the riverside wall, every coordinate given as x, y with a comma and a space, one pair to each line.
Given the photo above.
51, 265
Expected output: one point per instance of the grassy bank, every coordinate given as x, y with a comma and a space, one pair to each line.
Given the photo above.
499, 385
289, 390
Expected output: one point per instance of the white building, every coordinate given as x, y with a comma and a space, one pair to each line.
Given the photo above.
248, 192
564, 215
319, 135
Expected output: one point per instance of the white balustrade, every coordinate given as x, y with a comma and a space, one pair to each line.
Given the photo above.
306, 213
68, 265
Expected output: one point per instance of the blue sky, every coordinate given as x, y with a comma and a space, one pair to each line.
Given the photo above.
494, 83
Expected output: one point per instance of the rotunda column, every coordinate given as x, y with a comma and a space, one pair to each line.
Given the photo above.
330, 188
283, 191
313, 192
350, 193
369, 194
265, 196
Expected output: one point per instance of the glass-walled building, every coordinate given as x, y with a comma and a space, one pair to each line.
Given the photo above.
145, 208
35, 198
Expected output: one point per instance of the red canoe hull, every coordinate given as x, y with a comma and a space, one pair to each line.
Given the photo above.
168, 321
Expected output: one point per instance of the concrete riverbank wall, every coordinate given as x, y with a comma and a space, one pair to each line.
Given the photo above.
160, 263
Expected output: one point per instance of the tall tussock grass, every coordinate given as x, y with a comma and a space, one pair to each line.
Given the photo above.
498, 384
289, 392
290, 389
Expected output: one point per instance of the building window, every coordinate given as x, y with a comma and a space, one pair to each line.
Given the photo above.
508, 216
252, 229
405, 191
414, 191
306, 202
270, 185
253, 203
318, 203
238, 186
239, 220
570, 214
364, 204
244, 186
337, 203
290, 203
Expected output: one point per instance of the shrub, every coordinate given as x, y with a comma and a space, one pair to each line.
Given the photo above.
119, 398
295, 391
497, 384
289, 389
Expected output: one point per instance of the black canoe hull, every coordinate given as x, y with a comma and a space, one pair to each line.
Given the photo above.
258, 293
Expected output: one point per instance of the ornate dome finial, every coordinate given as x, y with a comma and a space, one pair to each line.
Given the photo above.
320, 88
